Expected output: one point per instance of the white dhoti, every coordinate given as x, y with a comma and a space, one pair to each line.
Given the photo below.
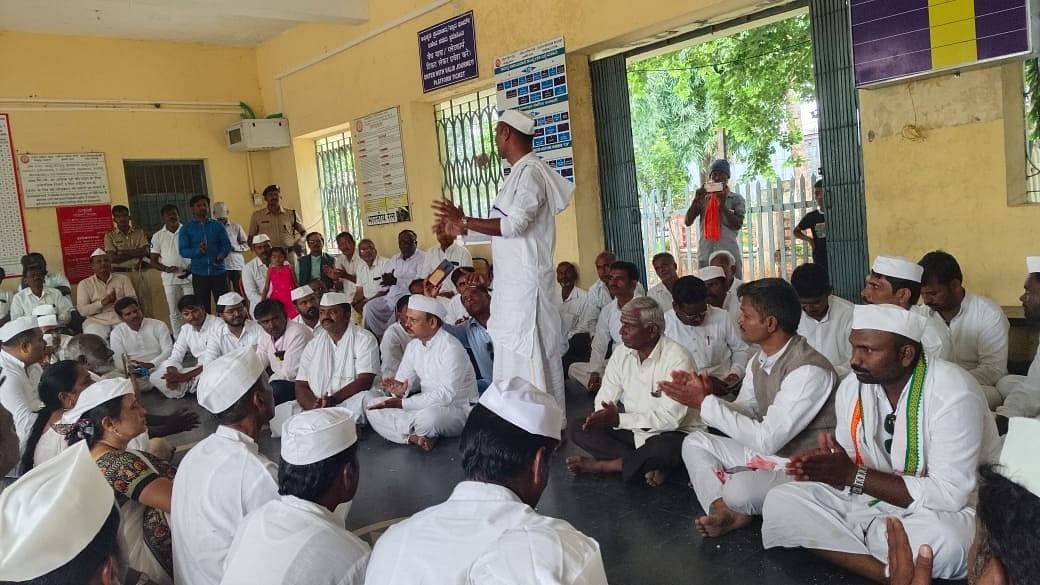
711, 462
395, 424
378, 313
543, 370
817, 516
1018, 396
177, 391
580, 372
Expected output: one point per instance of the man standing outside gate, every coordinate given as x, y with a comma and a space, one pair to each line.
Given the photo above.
722, 215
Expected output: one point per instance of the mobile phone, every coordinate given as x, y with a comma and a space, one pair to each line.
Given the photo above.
713, 187
440, 273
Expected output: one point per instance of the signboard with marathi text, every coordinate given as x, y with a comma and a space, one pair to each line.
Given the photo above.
448, 53
380, 164
896, 39
81, 229
53, 180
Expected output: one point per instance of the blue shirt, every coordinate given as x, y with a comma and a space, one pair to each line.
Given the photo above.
477, 341
218, 246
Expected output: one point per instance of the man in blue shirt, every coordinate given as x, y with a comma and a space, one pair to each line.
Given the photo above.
204, 241
473, 334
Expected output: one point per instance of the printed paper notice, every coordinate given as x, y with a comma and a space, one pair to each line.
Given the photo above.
380, 164
12, 226
55, 180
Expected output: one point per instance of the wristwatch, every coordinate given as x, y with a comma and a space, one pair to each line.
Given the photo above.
861, 479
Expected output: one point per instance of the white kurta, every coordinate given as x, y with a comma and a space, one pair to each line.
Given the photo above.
151, 343
631, 382
525, 315
731, 304
539, 555
660, 293
937, 340
19, 397
830, 336
222, 341
715, 344
219, 482
441, 543
24, 301
391, 349
239, 243
315, 329
189, 340
442, 369
600, 294
290, 541
608, 330
369, 278
958, 434
456, 253
254, 277
327, 365
1021, 394
291, 344
753, 431
379, 312
980, 338
577, 312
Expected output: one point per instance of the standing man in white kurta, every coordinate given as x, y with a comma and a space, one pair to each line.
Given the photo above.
341, 362
896, 280
166, 258
296, 539
911, 431
139, 342
786, 400
826, 318
254, 275
977, 324
507, 444
438, 363
525, 320
224, 477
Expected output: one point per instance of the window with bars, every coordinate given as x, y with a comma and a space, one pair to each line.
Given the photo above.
337, 184
470, 165
1032, 116
151, 184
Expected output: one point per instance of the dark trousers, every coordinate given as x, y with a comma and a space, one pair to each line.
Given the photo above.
206, 286
284, 391
235, 281
579, 349
661, 452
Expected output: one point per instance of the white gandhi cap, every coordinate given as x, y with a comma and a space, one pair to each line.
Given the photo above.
229, 299
897, 267
226, 379
517, 120
41, 310
95, 395
427, 305
333, 299
16, 326
261, 238
301, 291
1018, 457
710, 273
525, 406
315, 435
890, 318
98, 252
1032, 264
51, 514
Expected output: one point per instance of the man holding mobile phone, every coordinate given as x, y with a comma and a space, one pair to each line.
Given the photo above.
722, 215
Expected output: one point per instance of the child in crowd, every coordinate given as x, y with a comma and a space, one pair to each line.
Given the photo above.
281, 281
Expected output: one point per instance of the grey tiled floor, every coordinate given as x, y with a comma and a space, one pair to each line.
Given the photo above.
646, 535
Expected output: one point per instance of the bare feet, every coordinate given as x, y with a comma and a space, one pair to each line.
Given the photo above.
720, 521
425, 443
579, 464
655, 478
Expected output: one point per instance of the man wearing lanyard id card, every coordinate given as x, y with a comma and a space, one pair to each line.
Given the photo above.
522, 227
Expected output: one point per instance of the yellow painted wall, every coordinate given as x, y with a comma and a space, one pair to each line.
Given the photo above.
951, 187
384, 72
62, 67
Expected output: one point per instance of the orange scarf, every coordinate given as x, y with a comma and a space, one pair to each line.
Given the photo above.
713, 219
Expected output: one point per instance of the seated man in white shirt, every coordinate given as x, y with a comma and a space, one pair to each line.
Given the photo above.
439, 364
599, 293
708, 333
718, 294
370, 270
728, 263
345, 264
307, 301
36, 294
340, 363
237, 331
895, 280
395, 340
401, 270
578, 313
786, 401
911, 431
668, 272
636, 432
623, 278
174, 378
1020, 395
297, 538
140, 344
224, 477
447, 248
281, 347
826, 318
977, 324
507, 447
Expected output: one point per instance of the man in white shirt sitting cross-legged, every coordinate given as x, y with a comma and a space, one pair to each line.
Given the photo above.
140, 344
173, 378
281, 347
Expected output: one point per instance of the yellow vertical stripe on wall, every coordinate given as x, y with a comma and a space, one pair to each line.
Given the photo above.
952, 32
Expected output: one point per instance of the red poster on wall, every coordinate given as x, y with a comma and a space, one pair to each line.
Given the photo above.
81, 229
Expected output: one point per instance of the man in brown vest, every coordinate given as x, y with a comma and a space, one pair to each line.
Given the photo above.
786, 400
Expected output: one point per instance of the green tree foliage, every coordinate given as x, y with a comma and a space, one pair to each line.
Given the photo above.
743, 83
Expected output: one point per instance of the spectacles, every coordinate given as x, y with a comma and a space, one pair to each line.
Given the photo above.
890, 428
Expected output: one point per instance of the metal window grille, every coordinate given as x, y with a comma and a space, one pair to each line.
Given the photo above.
151, 184
337, 185
470, 165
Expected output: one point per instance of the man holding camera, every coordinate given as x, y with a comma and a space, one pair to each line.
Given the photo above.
722, 215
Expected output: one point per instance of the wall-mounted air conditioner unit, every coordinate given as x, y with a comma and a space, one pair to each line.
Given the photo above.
257, 134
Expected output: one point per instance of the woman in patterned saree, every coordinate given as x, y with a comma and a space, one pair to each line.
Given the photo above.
109, 416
